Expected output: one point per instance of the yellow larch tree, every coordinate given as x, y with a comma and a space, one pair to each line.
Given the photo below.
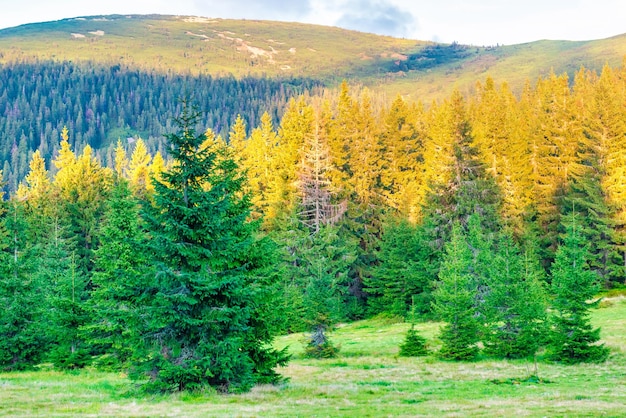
139, 168
257, 161
120, 160
402, 134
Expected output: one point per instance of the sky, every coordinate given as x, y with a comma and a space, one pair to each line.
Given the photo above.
472, 22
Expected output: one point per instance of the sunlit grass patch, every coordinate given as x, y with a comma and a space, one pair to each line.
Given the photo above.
369, 381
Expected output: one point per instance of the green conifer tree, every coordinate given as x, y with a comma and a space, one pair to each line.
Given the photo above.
402, 277
23, 338
118, 274
454, 300
574, 285
200, 305
414, 344
515, 304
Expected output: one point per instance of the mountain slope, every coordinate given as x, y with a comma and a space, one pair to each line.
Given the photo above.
423, 70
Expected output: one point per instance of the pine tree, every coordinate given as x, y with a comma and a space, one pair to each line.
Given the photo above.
201, 302
454, 300
69, 313
459, 185
402, 158
120, 161
586, 198
323, 263
561, 154
573, 339
257, 160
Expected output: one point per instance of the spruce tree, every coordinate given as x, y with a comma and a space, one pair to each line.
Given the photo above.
595, 227
574, 285
414, 344
459, 184
118, 273
23, 338
324, 262
402, 277
515, 304
201, 302
454, 300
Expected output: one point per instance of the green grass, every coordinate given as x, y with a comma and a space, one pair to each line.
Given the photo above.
367, 379
329, 54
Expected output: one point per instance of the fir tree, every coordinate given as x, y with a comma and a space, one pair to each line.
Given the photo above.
414, 344
454, 300
574, 284
200, 304
402, 277
118, 273
23, 337
515, 304
585, 198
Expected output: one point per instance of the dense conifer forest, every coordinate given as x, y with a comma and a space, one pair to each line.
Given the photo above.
179, 258
101, 104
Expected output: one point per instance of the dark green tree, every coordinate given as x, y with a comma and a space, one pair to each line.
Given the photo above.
323, 265
515, 303
199, 327
462, 186
414, 344
573, 339
454, 300
68, 314
23, 338
403, 275
118, 274
586, 198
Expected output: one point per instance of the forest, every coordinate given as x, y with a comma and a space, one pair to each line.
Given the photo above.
100, 104
500, 214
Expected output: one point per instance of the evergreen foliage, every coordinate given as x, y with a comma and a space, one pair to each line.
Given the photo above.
200, 302
23, 336
402, 277
316, 285
414, 344
360, 200
454, 300
117, 277
574, 285
515, 304
101, 104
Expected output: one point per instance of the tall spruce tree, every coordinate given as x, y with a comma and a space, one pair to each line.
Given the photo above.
574, 285
200, 305
454, 300
23, 337
118, 273
515, 304
459, 185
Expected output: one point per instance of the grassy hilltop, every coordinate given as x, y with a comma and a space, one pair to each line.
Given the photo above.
419, 69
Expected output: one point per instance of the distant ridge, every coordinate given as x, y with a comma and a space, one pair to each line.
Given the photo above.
202, 45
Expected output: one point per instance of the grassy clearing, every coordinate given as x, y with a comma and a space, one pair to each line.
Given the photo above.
368, 379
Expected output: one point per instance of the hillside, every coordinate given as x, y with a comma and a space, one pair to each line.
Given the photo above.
422, 70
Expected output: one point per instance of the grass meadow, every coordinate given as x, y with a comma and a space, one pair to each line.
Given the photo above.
368, 379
